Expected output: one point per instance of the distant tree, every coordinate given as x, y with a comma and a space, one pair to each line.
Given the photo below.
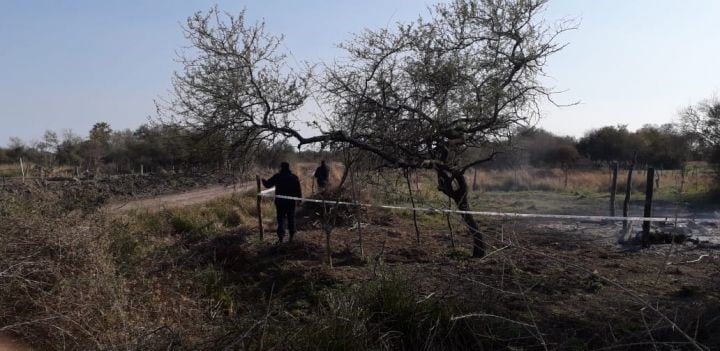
702, 122
271, 155
69, 149
47, 148
97, 145
16, 148
100, 133
4, 158
663, 146
50, 139
564, 156
420, 96
539, 148
609, 144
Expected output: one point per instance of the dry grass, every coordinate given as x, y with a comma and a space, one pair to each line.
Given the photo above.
8, 170
58, 281
34, 171
198, 278
80, 281
695, 180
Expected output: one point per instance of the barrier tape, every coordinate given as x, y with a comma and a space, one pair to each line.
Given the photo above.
271, 193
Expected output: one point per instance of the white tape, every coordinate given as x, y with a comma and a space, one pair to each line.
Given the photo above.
270, 193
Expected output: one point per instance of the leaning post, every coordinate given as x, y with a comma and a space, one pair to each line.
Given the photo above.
648, 206
474, 186
613, 188
22, 170
412, 201
628, 191
259, 208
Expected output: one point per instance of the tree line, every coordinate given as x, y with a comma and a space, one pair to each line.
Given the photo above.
667, 146
152, 147
174, 147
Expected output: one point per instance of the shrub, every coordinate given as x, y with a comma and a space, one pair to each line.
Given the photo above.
59, 279
184, 222
125, 247
387, 314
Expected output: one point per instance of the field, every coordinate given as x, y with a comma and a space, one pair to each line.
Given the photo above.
197, 276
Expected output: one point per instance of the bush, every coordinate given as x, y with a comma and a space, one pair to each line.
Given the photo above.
387, 314
184, 222
59, 279
126, 248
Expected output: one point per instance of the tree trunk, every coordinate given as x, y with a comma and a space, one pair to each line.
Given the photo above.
478, 243
460, 196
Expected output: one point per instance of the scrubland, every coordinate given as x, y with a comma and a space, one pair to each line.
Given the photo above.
75, 276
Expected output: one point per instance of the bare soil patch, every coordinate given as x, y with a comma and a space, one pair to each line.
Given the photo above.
185, 198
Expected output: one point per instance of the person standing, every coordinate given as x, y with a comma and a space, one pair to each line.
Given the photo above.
321, 175
286, 184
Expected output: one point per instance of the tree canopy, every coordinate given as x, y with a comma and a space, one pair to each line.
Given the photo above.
419, 96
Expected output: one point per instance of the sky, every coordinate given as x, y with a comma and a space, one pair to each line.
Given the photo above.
69, 64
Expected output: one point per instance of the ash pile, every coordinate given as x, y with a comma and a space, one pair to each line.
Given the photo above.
684, 232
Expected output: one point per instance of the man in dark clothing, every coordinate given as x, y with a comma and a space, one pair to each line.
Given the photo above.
286, 184
321, 175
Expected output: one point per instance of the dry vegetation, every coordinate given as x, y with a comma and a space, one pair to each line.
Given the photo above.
199, 278
697, 179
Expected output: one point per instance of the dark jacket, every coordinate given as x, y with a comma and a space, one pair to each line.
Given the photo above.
285, 183
322, 174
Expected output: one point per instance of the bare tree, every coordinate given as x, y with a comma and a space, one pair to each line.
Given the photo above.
234, 82
702, 122
423, 96
432, 91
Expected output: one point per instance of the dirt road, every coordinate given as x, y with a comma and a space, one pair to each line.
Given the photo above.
191, 197
8, 343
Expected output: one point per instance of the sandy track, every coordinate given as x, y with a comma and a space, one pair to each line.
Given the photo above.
191, 197
8, 343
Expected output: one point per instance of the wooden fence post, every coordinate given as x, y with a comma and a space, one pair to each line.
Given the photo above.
683, 171
327, 228
628, 190
613, 188
259, 208
474, 186
412, 201
22, 170
447, 218
358, 212
648, 206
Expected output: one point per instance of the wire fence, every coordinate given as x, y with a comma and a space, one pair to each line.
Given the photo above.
270, 193
506, 239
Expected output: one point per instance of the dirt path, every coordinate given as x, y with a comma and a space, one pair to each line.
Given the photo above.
8, 343
191, 197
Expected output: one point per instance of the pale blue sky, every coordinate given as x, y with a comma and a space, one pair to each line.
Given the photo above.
69, 64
